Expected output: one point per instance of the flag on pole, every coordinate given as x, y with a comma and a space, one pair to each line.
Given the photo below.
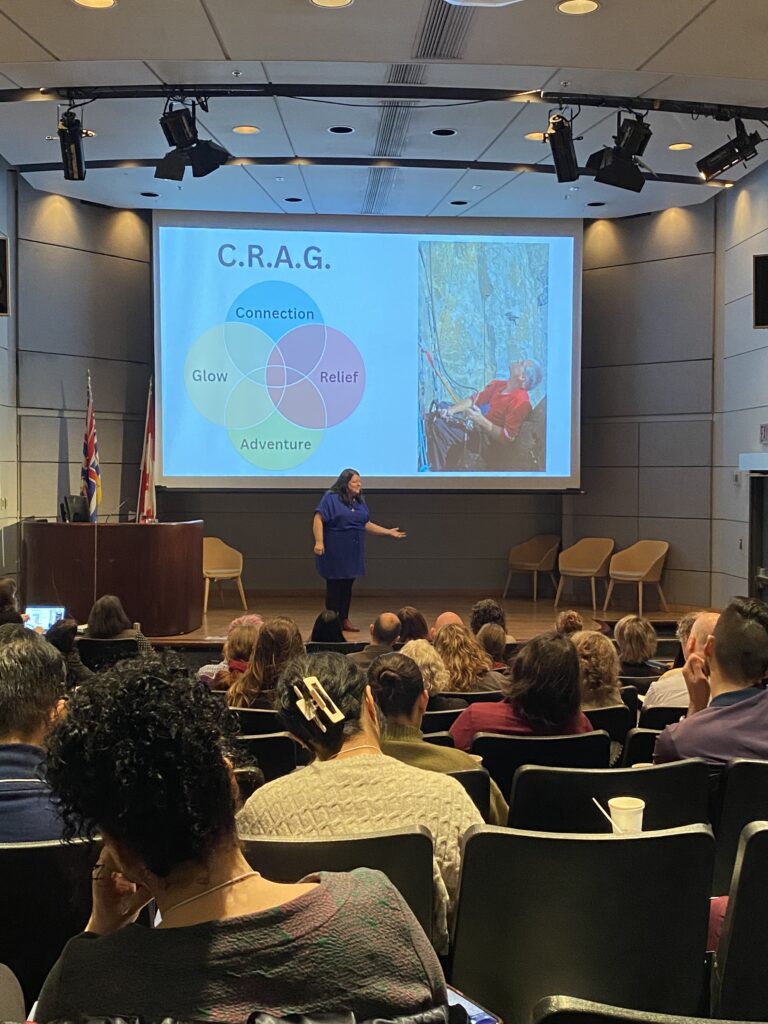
91, 471
147, 506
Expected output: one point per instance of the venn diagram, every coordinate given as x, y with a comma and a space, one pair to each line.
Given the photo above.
275, 375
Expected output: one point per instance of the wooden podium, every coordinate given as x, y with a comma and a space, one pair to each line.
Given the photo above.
156, 569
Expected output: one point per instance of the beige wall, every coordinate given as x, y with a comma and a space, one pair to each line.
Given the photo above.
9, 492
647, 392
741, 378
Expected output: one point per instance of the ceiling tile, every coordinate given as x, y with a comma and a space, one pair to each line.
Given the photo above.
51, 73
224, 114
16, 45
209, 72
286, 72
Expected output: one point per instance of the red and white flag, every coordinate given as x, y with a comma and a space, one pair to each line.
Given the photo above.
147, 506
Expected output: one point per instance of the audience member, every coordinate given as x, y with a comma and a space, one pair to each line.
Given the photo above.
108, 621
469, 667
488, 611
434, 673
636, 642
63, 636
413, 625
207, 673
669, 690
140, 759
327, 629
568, 622
278, 641
238, 648
352, 787
493, 640
31, 699
682, 632
400, 692
542, 696
444, 619
727, 706
12, 631
385, 632
599, 665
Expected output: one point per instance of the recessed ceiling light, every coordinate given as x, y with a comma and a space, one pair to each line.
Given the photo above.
246, 129
577, 6
332, 4
341, 129
151, 195
293, 199
475, 188
280, 179
678, 147
535, 136
595, 204
96, 5
458, 202
443, 133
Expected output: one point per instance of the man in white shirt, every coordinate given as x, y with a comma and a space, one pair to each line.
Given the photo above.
669, 690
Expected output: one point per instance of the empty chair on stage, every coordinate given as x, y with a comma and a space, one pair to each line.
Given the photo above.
640, 563
586, 559
221, 562
534, 556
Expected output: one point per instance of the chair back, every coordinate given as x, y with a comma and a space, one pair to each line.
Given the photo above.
560, 799
475, 696
538, 553
257, 721
404, 855
315, 646
503, 755
99, 654
742, 798
219, 559
541, 913
45, 895
638, 747
276, 754
439, 721
641, 561
248, 781
567, 1010
615, 721
477, 783
629, 696
11, 996
440, 739
659, 718
587, 557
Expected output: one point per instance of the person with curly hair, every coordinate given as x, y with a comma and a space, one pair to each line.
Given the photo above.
599, 665
469, 667
140, 759
434, 673
488, 611
351, 787
543, 696
278, 641
568, 621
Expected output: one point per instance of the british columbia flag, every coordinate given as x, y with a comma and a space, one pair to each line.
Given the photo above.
91, 472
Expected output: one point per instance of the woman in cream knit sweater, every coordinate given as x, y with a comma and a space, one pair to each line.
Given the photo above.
352, 787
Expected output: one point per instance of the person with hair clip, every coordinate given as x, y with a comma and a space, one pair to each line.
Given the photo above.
339, 525
351, 787
399, 689
141, 759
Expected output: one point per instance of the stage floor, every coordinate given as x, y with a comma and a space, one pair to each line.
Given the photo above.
524, 617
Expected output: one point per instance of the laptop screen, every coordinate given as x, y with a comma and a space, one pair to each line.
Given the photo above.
43, 616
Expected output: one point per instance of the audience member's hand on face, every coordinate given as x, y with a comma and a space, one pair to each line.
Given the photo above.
696, 675
116, 901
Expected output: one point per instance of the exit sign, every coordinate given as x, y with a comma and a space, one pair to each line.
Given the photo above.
764, 433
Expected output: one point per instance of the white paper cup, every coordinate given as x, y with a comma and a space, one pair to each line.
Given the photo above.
626, 813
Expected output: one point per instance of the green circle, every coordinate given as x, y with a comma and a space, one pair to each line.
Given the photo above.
209, 372
248, 405
278, 432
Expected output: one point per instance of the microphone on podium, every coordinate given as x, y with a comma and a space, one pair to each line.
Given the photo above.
120, 508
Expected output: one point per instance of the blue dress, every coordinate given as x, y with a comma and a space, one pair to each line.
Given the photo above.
343, 538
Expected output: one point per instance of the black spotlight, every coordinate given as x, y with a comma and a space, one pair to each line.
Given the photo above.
180, 129
206, 156
735, 151
172, 166
560, 138
618, 165
71, 142
633, 136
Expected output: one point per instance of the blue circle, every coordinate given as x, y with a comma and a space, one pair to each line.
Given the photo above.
275, 307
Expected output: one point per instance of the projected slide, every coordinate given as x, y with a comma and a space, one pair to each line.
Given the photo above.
288, 355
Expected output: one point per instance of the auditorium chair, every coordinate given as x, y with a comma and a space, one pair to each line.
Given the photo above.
638, 747
586, 559
615, 918
629, 696
439, 721
741, 798
45, 899
257, 721
316, 646
221, 562
475, 696
503, 755
568, 1010
276, 754
560, 799
659, 718
404, 855
739, 977
99, 654
615, 721
477, 783
440, 739
639, 564
533, 556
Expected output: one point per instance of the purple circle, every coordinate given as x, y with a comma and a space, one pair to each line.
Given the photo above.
339, 376
302, 404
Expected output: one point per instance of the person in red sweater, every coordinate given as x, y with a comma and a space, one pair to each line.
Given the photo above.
543, 696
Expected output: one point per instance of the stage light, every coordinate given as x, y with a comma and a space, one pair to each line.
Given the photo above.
206, 157
735, 151
560, 138
70, 132
179, 127
202, 155
618, 165
172, 166
633, 136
